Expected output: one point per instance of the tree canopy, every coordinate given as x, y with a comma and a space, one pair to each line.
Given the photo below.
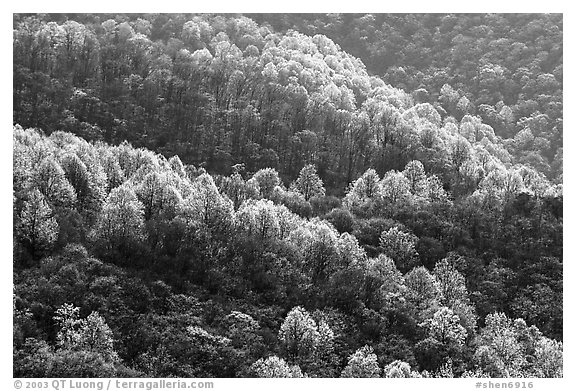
270, 195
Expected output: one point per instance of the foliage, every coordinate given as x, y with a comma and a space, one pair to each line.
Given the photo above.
363, 363
445, 327
309, 183
509, 348
36, 228
120, 226
399, 368
400, 246
179, 224
91, 334
267, 179
274, 367
299, 333
424, 212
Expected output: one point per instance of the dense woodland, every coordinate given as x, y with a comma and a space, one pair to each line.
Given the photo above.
287, 195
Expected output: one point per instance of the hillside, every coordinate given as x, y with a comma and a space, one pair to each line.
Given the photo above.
504, 68
208, 196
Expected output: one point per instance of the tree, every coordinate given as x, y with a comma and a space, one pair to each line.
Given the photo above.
287, 221
342, 219
274, 367
51, 181
399, 368
299, 334
453, 292
395, 187
79, 52
77, 175
114, 174
35, 226
450, 282
499, 353
416, 176
177, 166
158, 194
22, 165
91, 334
120, 226
89, 181
67, 318
207, 206
79, 363
243, 331
209, 353
463, 106
267, 179
292, 200
309, 183
505, 183
96, 336
460, 151
350, 253
239, 190
445, 327
33, 359
449, 97
435, 190
258, 219
421, 291
384, 284
548, 358
362, 363
508, 348
317, 242
363, 189
325, 339
401, 247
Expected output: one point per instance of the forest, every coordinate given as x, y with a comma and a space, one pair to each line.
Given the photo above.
287, 195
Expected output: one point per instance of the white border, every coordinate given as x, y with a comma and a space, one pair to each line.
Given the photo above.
302, 6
